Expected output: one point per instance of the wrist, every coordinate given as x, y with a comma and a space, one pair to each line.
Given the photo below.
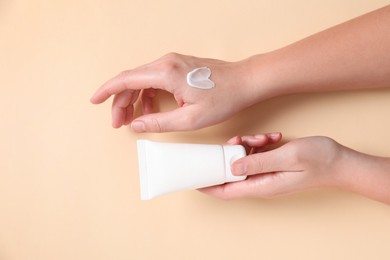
341, 167
364, 174
262, 77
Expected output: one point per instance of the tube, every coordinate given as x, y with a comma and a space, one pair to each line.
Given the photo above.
170, 167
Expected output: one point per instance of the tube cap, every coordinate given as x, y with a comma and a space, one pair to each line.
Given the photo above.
231, 154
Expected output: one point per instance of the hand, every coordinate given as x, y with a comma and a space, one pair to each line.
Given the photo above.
299, 165
197, 107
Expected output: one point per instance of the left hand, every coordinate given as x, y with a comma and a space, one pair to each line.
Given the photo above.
197, 108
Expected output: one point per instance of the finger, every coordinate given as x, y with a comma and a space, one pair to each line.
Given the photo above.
261, 140
255, 140
280, 159
237, 140
233, 141
129, 115
256, 186
123, 108
136, 79
120, 116
254, 143
273, 138
180, 119
147, 100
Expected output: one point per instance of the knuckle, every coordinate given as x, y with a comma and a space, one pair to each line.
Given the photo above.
190, 120
295, 156
122, 77
171, 62
123, 74
171, 66
259, 164
293, 153
256, 164
172, 55
156, 126
152, 125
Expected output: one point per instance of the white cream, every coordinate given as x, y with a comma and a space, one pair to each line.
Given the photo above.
200, 78
169, 167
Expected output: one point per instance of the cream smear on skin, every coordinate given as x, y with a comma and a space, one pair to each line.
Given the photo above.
200, 78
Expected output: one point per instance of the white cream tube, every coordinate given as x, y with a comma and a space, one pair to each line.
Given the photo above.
169, 167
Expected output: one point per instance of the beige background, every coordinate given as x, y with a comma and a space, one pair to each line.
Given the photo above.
69, 182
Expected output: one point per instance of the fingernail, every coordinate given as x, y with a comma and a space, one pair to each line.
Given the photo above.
138, 126
232, 140
274, 135
239, 169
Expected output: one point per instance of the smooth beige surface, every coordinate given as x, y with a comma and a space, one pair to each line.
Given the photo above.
69, 182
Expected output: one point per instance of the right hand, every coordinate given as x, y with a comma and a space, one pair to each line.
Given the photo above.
197, 107
301, 164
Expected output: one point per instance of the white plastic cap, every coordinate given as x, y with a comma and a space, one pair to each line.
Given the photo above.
231, 154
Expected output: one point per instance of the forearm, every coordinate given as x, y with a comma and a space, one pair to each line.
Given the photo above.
364, 174
352, 55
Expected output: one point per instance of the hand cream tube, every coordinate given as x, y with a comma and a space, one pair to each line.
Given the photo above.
169, 167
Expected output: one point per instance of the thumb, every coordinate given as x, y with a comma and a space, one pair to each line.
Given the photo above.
180, 119
276, 160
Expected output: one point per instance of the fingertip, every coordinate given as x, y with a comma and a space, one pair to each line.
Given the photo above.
115, 125
93, 99
275, 137
98, 99
127, 121
101, 95
255, 140
234, 140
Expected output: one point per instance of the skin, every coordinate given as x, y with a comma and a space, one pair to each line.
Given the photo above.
352, 55
303, 164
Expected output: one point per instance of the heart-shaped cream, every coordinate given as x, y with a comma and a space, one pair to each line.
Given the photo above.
200, 78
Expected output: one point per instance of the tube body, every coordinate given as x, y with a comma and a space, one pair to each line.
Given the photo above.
169, 167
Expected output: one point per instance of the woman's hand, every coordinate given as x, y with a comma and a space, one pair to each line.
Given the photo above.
297, 68
299, 165
302, 164
197, 107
